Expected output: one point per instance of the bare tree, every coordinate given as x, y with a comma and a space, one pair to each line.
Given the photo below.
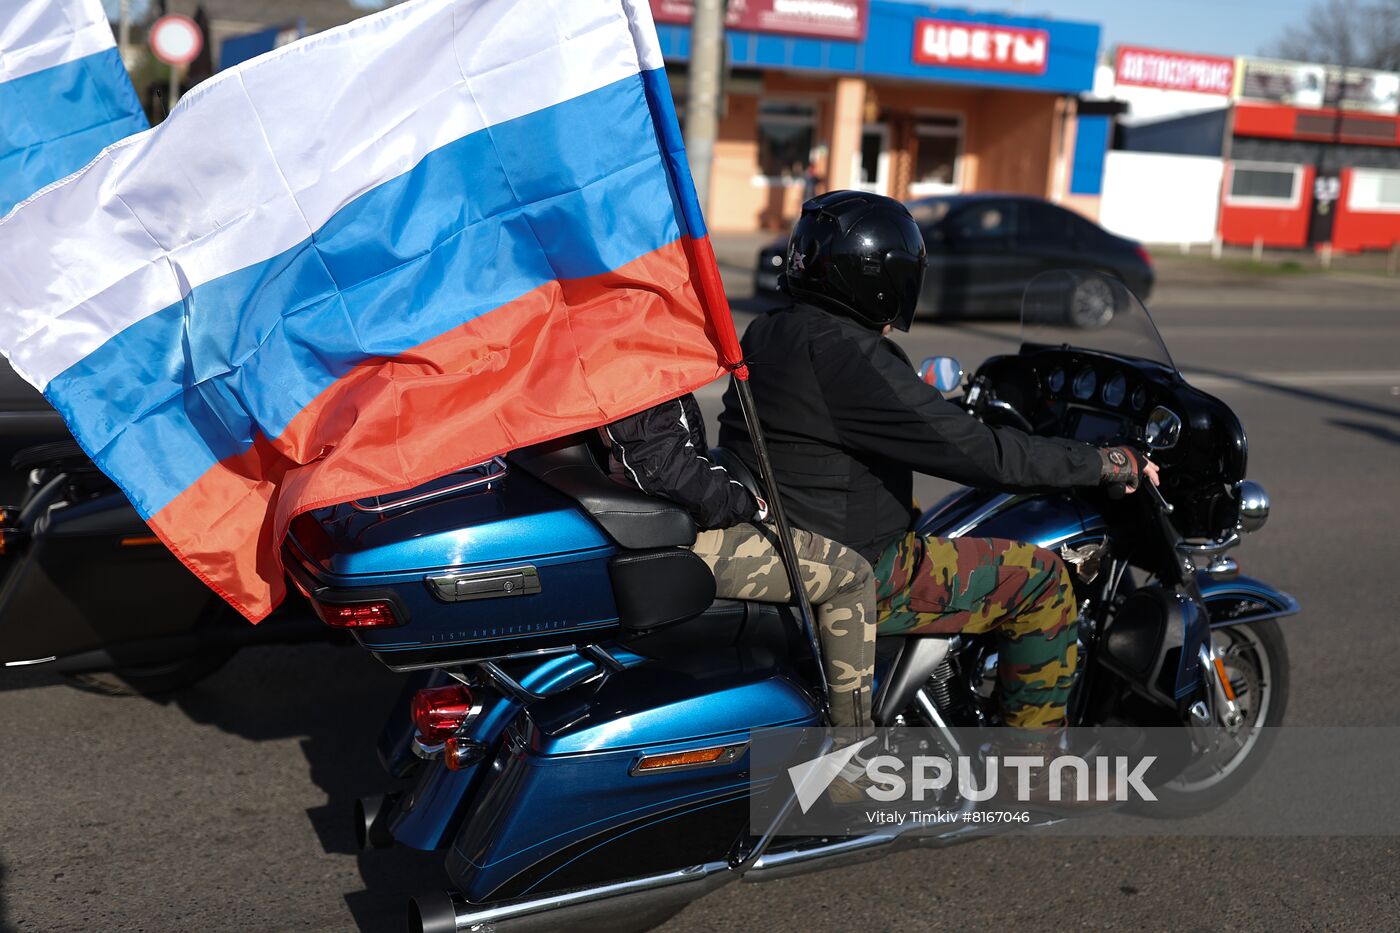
1358, 33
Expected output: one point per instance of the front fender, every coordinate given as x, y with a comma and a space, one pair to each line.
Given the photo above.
1242, 599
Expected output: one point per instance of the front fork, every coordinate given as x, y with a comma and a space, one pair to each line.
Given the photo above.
1218, 705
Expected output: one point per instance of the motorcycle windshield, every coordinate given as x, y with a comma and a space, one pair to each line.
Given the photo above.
1089, 311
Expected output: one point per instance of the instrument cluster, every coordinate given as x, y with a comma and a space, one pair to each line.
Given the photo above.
1097, 382
1103, 400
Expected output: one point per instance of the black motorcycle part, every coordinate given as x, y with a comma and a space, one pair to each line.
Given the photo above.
917, 659
434, 912
76, 575
1152, 642
659, 587
629, 516
371, 820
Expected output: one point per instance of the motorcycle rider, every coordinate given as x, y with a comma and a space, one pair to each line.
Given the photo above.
660, 451
848, 421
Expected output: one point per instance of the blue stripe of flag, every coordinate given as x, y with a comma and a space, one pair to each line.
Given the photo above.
575, 190
53, 122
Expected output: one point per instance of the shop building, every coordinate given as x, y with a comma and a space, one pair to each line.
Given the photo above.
1251, 152
888, 97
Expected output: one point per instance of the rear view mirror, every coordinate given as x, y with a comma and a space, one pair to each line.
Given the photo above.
944, 373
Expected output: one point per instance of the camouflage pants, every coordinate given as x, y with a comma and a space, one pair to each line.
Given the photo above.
1022, 592
840, 585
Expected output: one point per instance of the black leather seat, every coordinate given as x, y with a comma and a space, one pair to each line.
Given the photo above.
629, 516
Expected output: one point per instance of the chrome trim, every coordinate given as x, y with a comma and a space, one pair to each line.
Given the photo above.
730, 755
508, 683
31, 661
1254, 505
570, 908
465, 752
1008, 409
458, 587
1210, 548
426, 752
602, 657
1156, 493
380, 506
930, 710
1223, 568
1163, 429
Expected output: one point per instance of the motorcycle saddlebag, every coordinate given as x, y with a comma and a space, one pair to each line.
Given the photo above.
482, 563
581, 793
90, 587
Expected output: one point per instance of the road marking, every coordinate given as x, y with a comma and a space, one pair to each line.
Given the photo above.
1301, 379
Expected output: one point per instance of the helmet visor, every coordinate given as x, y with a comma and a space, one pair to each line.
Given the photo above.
906, 272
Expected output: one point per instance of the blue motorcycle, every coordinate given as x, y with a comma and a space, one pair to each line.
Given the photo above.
576, 727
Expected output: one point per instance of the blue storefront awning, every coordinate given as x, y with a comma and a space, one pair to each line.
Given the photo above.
889, 50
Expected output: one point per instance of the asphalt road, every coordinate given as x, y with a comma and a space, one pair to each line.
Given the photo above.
226, 808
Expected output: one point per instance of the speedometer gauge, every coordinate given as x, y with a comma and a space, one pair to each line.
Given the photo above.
1084, 383
1114, 390
1139, 398
1055, 382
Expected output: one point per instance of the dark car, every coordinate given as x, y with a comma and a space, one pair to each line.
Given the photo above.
984, 248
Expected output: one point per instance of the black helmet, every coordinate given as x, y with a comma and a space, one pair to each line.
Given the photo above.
860, 255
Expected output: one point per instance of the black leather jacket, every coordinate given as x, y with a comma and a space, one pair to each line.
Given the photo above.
848, 422
661, 450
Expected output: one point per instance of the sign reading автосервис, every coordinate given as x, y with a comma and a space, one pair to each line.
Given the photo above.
1174, 71
983, 46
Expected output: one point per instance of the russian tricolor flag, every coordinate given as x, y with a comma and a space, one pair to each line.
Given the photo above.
368, 259
64, 93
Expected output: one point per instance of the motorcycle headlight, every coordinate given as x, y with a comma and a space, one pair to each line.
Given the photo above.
1254, 506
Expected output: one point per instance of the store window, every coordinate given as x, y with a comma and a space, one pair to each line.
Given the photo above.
1264, 184
1374, 190
939, 157
786, 133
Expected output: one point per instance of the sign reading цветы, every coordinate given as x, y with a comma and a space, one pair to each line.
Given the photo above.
982, 46
1174, 71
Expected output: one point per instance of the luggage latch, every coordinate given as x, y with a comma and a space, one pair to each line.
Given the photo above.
486, 584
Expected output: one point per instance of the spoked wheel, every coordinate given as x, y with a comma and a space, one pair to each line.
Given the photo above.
1221, 760
1092, 305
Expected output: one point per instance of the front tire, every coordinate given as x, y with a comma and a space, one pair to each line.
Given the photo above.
1256, 660
1093, 303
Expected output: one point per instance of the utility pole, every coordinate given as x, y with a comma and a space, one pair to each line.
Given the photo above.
702, 93
123, 29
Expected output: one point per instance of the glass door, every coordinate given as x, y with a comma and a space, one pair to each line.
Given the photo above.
872, 160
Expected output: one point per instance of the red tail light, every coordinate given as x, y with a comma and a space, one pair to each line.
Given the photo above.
439, 712
1143, 254
378, 614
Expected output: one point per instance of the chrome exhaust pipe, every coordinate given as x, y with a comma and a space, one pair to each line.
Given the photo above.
449, 912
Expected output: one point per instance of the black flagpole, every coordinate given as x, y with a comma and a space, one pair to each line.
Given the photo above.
789, 551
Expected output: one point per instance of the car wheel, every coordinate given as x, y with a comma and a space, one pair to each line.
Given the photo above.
1093, 303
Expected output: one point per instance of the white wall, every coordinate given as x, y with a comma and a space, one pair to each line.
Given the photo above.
1150, 104
1160, 198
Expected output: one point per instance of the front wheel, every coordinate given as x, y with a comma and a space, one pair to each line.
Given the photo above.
1256, 661
1093, 303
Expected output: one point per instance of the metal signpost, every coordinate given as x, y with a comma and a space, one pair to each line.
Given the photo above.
177, 41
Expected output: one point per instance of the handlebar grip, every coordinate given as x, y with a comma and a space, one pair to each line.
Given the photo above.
1116, 491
